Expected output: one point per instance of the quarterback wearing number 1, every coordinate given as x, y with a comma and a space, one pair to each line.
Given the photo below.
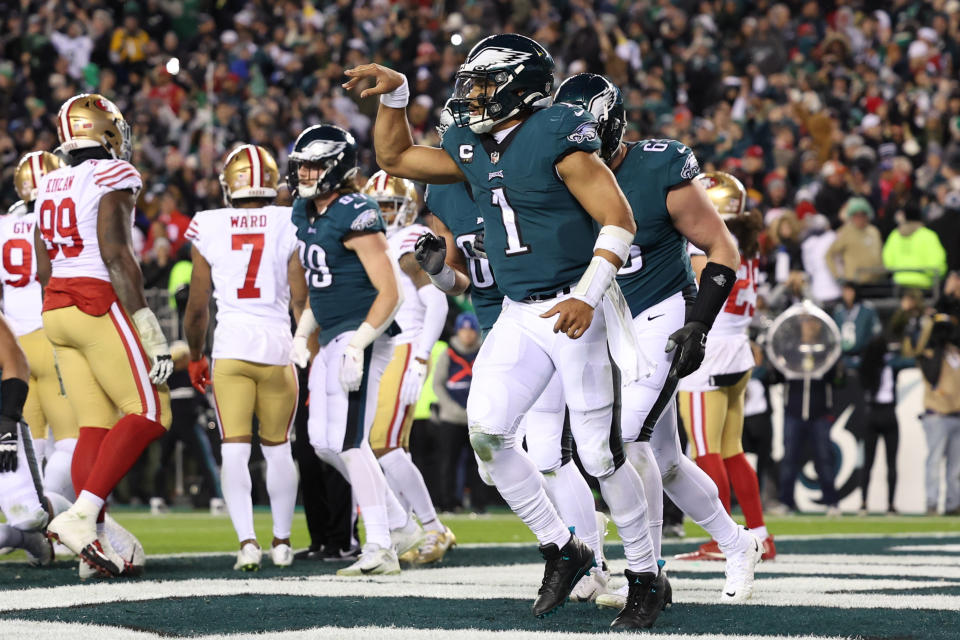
542, 191
111, 351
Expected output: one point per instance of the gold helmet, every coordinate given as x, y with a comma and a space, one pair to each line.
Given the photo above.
725, 192
90, 120
397, 197
30, 169
249, 172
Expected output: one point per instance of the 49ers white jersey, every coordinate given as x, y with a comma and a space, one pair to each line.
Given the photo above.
249, 251
410, 315
22, 296
67, 207
728, 345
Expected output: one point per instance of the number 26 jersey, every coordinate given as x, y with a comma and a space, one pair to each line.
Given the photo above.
249, 251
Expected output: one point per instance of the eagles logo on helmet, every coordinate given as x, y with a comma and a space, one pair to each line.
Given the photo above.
397, 197
600, 97
329, 148
249, 172
89, 120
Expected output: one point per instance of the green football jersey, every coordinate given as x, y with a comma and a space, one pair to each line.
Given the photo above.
658, 266
340, 291
452, 204
537, 236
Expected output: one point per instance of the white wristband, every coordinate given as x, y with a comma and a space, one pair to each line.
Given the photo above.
446, 280
364, 336
616, 240
398, 98
148, 327
307, 324
595, 280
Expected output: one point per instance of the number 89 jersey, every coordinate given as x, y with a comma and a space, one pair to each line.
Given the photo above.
340, 290
248, 251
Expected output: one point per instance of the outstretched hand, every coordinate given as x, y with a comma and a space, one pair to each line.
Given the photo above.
386, 79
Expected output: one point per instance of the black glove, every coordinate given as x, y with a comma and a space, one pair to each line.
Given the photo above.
431, 253
690, 340
476, 248
8, 444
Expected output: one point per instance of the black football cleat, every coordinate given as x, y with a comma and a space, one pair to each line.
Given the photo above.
564, 568
94, 555
646, 595
668, 599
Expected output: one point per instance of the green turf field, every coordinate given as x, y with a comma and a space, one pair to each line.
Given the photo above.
877, 577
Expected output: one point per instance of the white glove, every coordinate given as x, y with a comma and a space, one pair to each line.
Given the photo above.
154, 343
351, 368
413, 379
300, 354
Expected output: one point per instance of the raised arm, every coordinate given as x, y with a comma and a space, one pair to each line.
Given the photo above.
116, 250
396, 153
440, 261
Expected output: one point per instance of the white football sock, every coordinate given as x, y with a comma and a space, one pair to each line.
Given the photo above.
88, 504
520, 484
56, 475
692, 490
623, 492
281, 487
370, 490
236, 486
573, 499
398, 514
761, 533
721, 528
640, 455
406, 481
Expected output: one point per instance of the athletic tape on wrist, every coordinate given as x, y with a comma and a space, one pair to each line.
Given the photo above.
148, 327
399, 97
307, 324
364, 336
446, 280
616, 240
595, 280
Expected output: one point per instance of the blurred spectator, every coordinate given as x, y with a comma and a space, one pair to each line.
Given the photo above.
758, 424
947, 228
833, 191
858, 322
129, 43
786, 256
817, 240
939, 360
914, 252
855, 255
451, 383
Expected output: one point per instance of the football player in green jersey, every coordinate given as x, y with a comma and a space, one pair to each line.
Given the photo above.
354, 294
670, 209
542, 190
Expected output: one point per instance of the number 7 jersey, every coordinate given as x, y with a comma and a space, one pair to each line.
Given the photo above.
67, 208
249, 251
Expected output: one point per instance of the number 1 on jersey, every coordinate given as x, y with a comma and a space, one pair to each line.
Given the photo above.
515, 246
241, 240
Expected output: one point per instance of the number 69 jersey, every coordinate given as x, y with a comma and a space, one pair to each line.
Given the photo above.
248, 251
67, 208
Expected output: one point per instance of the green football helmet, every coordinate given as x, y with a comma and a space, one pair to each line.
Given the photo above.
330, 146
603, 99
502, 76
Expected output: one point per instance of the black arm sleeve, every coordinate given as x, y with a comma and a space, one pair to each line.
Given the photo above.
13, 393
716, 282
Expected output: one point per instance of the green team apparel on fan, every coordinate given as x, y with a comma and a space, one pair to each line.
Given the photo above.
536, 235
452, 204
340, 291
659, 265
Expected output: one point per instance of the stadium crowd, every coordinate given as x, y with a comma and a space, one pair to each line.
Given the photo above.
841, 119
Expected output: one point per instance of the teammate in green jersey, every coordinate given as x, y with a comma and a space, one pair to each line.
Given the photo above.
542, 190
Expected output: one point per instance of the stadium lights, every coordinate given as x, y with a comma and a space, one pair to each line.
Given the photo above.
456, 39
173, 66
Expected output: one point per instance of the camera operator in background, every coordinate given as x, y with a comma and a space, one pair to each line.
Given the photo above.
938, 356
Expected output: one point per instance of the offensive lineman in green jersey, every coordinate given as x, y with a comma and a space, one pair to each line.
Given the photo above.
670, 209
354, 294
542, 189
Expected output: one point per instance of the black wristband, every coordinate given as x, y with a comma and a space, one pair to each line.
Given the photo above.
716, 283
13, 393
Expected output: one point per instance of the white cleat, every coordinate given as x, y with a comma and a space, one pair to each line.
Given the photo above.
79, 533
248, 558
408, 537
126, 545
373, 560
592, 585
613, 599
742, 561
282, 555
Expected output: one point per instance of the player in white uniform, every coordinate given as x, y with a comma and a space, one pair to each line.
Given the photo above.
113, 357
421, 318
711, 399
47, 404
247, 252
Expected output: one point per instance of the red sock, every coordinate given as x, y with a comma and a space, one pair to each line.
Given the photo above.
84, 454
120, 450
712, 463
744, 481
